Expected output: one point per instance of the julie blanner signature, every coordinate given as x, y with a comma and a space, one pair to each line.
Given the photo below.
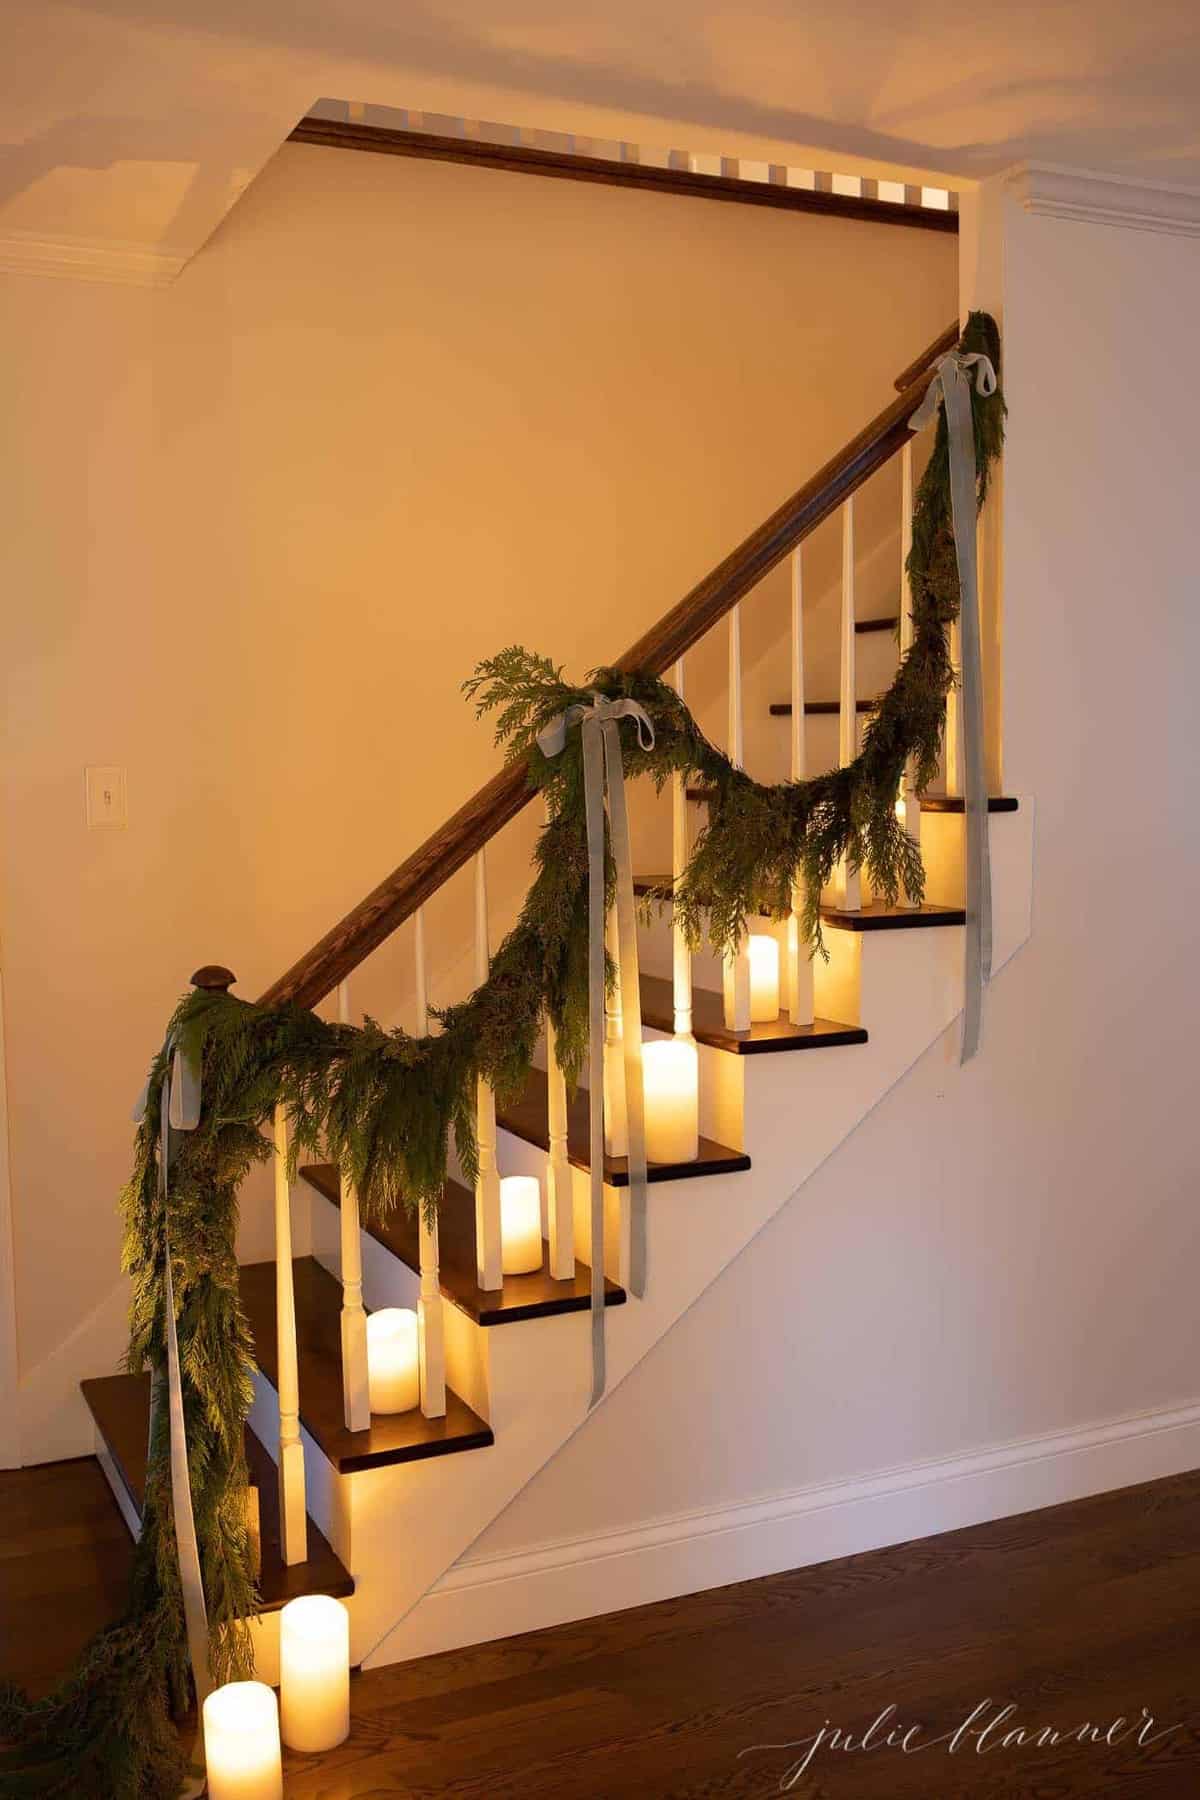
989, 1727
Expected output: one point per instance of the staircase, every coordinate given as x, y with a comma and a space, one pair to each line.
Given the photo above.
391, 1507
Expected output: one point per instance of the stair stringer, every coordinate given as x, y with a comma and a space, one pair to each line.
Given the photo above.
409, 1525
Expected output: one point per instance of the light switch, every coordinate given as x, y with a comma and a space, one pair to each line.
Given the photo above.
105, 796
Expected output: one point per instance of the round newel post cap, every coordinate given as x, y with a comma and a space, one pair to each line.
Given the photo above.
213, 978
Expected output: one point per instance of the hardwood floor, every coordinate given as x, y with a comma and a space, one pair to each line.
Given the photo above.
1078, 1615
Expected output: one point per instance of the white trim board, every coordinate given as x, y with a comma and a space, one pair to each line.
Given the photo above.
487, 1597
1063, 193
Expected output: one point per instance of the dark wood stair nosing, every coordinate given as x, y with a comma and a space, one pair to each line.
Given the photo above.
521, 1298
709, 1028
818, 709
874, 917
527, 1119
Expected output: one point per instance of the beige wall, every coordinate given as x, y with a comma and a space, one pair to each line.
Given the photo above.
1008, 1250
260, 526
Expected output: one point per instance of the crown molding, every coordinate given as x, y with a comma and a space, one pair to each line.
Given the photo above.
88, 259
1063, 193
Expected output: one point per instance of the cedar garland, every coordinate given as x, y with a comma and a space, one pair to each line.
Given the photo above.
383, 1104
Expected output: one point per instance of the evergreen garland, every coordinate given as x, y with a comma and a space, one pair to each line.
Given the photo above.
383, 1104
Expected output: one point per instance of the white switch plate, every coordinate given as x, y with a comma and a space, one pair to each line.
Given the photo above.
105, 789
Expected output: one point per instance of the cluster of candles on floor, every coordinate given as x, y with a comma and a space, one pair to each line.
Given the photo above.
244, 1722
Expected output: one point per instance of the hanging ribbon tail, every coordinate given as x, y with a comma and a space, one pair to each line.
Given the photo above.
601, 747
187, 1547
951, 386
593, 789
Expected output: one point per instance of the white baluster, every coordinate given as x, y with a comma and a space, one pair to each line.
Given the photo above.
356, 1405
682, 957
559, 1205
431, 1325
737, 960
909, 806
487, 1185
616, 1134
800, 968
851, 881
293, 1514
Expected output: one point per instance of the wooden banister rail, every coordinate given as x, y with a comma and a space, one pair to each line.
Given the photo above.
945, 340
374, 919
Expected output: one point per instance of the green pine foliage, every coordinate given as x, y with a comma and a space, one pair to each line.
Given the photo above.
383, 1105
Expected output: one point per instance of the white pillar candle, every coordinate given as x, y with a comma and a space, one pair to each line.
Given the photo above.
314, 1672
520, 1224
393, 1360
764, 978
671, 1082
241, 1742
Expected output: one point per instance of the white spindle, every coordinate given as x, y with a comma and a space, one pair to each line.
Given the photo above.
616, 1135
293, 1514
559, 1205
682, 963
487, 1184
909, 809
851, 881
431, 1325
356, 1404
737, 960
800, 968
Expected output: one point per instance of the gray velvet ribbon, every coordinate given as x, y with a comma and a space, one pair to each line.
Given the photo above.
180, 1111
951, 387
603, 771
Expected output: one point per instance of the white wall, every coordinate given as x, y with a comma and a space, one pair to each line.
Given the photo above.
1008, 1250
260, 526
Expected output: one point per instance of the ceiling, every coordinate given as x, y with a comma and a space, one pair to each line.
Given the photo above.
129, 129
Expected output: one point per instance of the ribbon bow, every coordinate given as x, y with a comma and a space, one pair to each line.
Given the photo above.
600, 737
179, 1110
951, 387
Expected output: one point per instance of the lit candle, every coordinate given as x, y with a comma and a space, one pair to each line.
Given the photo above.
671, 1084
764, 978
393, 1365
241, 1742
314, 1672
520, 1224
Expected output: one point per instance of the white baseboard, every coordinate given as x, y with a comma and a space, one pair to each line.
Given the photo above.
487, 1597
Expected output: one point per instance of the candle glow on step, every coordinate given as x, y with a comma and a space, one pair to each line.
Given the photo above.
764, 978
314, 1672
393, 1360
241, 1742
671, 1081
520, 1224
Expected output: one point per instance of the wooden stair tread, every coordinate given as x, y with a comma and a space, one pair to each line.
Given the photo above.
534, 1296
527, 1118
815, 709
120, 1406
954, 803
878, 917
391, 1437
709, 1027
891, 623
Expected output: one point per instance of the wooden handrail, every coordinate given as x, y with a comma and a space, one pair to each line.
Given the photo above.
945, 340
374, 919
528, 159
